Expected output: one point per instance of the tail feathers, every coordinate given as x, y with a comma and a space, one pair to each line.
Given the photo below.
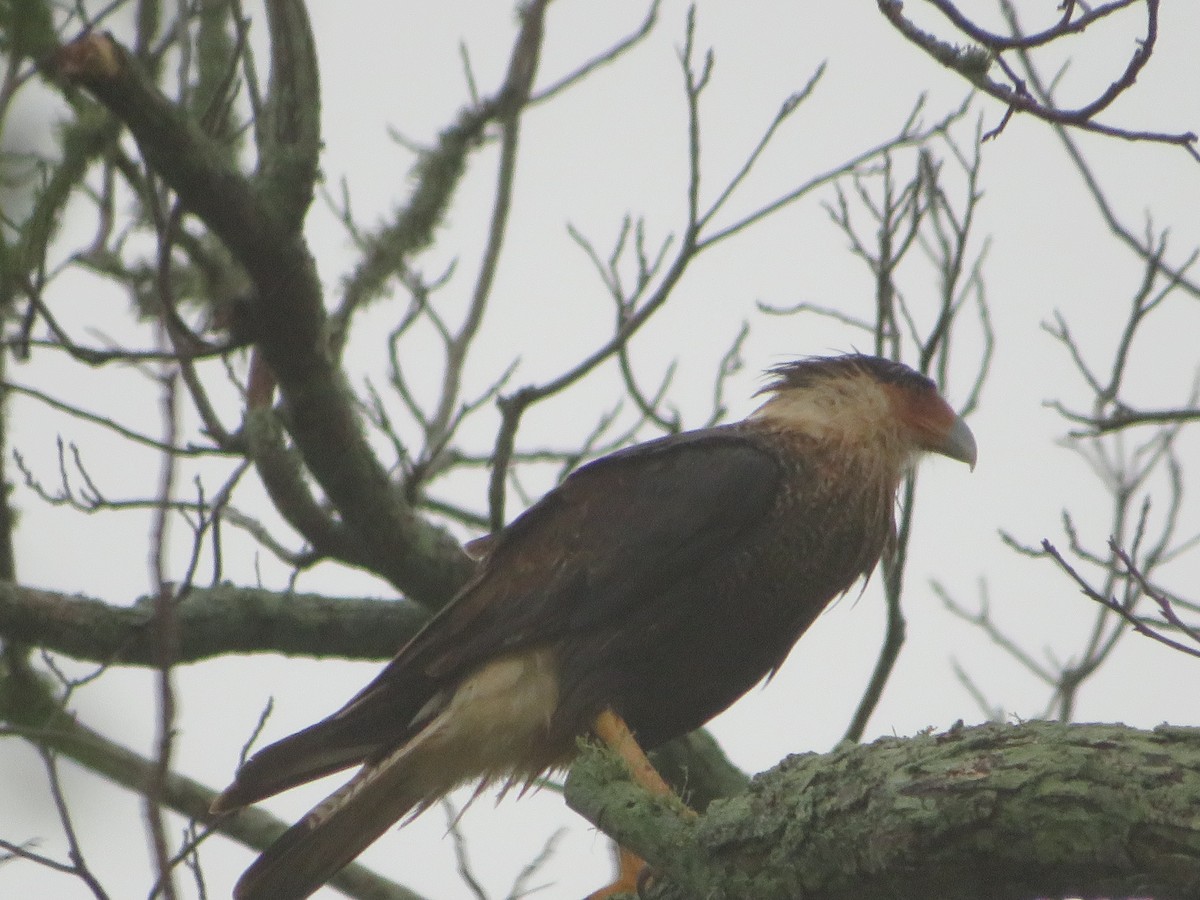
495, 726
314, 849
318, 750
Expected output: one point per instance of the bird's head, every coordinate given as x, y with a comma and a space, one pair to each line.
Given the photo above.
865, 401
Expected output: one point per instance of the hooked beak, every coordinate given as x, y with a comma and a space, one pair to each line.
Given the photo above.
959, 443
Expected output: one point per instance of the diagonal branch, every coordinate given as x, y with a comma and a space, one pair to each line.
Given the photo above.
260, 223
34, 713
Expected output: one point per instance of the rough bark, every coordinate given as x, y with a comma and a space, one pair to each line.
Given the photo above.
1033, 810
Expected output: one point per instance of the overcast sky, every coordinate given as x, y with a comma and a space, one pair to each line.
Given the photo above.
616, 145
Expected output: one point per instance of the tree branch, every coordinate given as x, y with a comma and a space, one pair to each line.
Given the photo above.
31, 706
260, 223
212, 622
995, 811
973, 63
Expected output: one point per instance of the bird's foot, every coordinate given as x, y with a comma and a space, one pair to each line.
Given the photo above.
631, 872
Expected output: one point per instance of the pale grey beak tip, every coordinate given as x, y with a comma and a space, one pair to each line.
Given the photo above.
960, 443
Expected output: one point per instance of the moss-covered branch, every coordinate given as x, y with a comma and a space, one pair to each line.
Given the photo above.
212, 622
1034, 810
698, 769
290, 137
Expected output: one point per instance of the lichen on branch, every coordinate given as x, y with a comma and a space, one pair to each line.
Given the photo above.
1031, 810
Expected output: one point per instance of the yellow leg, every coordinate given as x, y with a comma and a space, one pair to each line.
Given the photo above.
612, 730
629, 874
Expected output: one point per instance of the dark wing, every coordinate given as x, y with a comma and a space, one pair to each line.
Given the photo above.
610, 537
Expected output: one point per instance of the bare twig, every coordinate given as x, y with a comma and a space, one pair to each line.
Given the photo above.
166, 640
974, 62
1121, 609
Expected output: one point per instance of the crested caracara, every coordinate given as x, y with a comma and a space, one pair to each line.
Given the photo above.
652, 588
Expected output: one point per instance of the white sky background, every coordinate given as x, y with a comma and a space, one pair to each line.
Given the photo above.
616, 145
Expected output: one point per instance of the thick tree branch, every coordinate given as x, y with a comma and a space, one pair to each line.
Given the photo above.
280, 467
260, 223
212, 622
289, 132
994, 811
219, 621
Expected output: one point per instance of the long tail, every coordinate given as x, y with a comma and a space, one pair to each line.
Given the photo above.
348, 821
493, 727
310, 754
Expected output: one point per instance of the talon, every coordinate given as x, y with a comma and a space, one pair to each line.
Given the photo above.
632, 873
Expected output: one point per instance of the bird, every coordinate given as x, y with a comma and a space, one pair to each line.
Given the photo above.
639, 598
